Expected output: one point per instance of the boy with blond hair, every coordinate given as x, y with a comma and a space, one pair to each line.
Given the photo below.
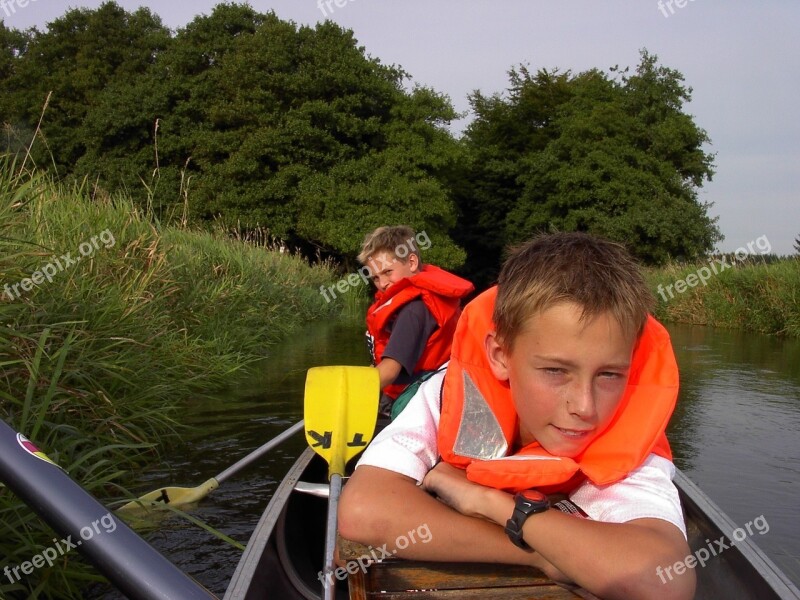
543, 442
411, 323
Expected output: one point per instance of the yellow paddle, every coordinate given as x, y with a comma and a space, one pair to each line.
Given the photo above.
175, 496
341, 408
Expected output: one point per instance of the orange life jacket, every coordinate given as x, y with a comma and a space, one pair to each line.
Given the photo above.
441, 292
479, 424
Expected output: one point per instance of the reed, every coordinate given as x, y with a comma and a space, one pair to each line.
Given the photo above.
356, 302
754, 295
97, 358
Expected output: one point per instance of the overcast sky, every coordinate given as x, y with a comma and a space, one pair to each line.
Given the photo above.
737, 55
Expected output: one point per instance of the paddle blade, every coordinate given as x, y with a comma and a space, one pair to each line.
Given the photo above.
173, 496
341, 408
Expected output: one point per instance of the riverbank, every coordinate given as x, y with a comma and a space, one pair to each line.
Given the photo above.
109, 323
751, 295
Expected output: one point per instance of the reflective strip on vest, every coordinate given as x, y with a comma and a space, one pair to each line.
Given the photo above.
479, 433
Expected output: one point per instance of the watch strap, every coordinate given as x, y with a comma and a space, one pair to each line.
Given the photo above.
514, 529
523, 508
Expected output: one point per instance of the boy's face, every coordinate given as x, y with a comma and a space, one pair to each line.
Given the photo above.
566, 376
387, 269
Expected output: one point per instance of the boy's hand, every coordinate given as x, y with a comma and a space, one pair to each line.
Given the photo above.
451, 486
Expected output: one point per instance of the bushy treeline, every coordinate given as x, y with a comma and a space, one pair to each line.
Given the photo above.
246, 118
608, 153
109, 323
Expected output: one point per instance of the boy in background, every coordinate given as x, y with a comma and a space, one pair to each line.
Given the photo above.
411, 323
560, 385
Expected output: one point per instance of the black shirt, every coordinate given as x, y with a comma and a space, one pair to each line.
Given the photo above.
409, 335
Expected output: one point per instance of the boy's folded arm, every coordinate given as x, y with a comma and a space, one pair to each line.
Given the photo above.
379, 507
611, 560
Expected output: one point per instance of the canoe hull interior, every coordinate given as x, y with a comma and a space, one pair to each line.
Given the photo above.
284, 555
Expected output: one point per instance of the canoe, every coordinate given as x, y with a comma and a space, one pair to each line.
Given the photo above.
284, 556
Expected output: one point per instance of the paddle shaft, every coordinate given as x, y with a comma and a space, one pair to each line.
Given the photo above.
128, 561
329, 583
259, 452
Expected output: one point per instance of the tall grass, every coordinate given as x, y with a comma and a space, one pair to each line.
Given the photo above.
751, 295
95, 364
266, 291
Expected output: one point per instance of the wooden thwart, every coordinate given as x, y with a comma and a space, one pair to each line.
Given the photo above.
397, 579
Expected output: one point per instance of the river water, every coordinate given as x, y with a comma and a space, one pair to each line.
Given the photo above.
736, 433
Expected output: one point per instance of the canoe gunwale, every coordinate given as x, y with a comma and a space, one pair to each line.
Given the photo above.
241, 580
706, 513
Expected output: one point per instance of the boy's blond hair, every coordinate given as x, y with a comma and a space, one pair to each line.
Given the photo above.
597, 274
389, 239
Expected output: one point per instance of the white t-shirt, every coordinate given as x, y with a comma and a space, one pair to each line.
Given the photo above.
409, 446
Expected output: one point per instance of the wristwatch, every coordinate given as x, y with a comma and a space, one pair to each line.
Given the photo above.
526, 503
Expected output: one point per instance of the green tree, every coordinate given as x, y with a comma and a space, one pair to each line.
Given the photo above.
271, 125
12, 44
147, 133
79, 55
487, 186
399, 181
612, 154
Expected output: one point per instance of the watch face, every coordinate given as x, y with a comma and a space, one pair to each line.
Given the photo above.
533, 496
